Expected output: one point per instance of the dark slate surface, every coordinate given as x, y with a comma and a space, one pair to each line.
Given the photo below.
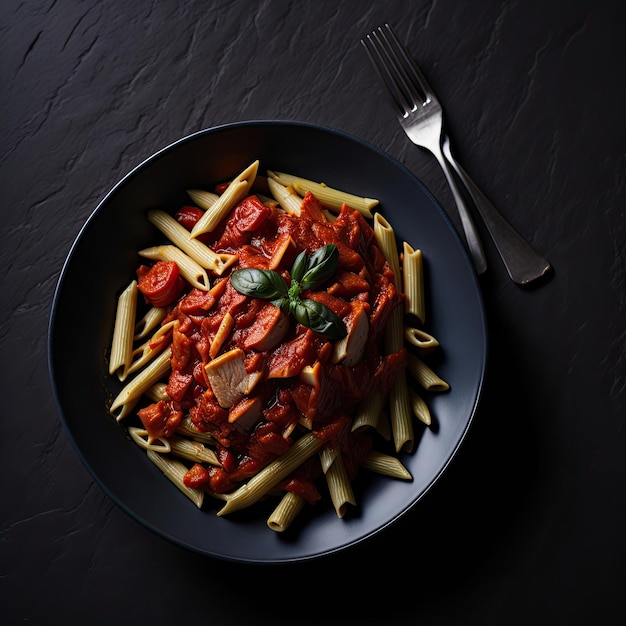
528, 525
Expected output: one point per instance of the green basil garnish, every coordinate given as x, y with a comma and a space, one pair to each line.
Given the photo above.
306, 273
320, 318
265, 284
320, 267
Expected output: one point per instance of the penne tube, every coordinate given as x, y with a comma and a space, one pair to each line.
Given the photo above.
286, 196
339, 485
327, 455
400, 416
175, 471
386, 240
147, 351
203, 199
383, 426
285, 512
186, 428
368, 413
157, 392
424, 375
209, 492
413, 282
123, 331
328, 197
236, 191
193, 451
190, 270
140, 437
419, 408
419, 338
180, 236
126, 409
152, 318
260, 484
151, 374
386, 464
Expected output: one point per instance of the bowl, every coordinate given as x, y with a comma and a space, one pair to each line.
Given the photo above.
104, 257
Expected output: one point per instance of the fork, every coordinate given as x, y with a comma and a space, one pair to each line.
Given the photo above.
421, 116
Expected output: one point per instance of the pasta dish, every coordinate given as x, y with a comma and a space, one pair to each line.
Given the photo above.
269, 343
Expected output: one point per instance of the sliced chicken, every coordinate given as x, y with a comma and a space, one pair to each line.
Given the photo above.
268, 329
246, 413
349, 350
228, 377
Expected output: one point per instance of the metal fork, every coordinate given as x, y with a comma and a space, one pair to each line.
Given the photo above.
421, 117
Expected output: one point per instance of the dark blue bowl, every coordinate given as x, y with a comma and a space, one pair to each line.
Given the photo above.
104, 257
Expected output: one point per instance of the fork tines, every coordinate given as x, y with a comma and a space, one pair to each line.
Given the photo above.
403, 81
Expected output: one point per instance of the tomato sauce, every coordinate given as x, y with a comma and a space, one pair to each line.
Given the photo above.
290, 368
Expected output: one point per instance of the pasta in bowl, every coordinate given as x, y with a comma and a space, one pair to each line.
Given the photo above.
277, 336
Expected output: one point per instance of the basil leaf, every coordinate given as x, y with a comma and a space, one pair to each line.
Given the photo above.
321, 266
299, 267
320, 318
257, 283
282, 304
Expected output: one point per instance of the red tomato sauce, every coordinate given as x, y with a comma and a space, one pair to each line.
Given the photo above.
291, 405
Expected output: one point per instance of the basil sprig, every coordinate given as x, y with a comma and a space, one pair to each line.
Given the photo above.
307, 272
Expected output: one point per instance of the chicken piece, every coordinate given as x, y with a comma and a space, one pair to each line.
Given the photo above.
228, 377
349, 350
268, 330
246, 413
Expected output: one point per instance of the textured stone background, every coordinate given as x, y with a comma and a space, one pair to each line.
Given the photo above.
527, 525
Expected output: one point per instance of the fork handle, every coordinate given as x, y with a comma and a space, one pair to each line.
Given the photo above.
523, 263
469, 228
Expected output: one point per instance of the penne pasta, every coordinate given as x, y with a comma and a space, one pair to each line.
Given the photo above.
327, 456
147, 351
123, 332
328, 196
424, 375
193, 451
175, 470
420, 408
260, 484
203, 199
386, 464
369, 412
400, 416
386, 240
413, 282
140, 437
285, 512
339, 485
236, 191
126, 409
180, 237
152, 318
288, 199
151, 374
419, 338
157, 392
186, 428
383, 426
189, 269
